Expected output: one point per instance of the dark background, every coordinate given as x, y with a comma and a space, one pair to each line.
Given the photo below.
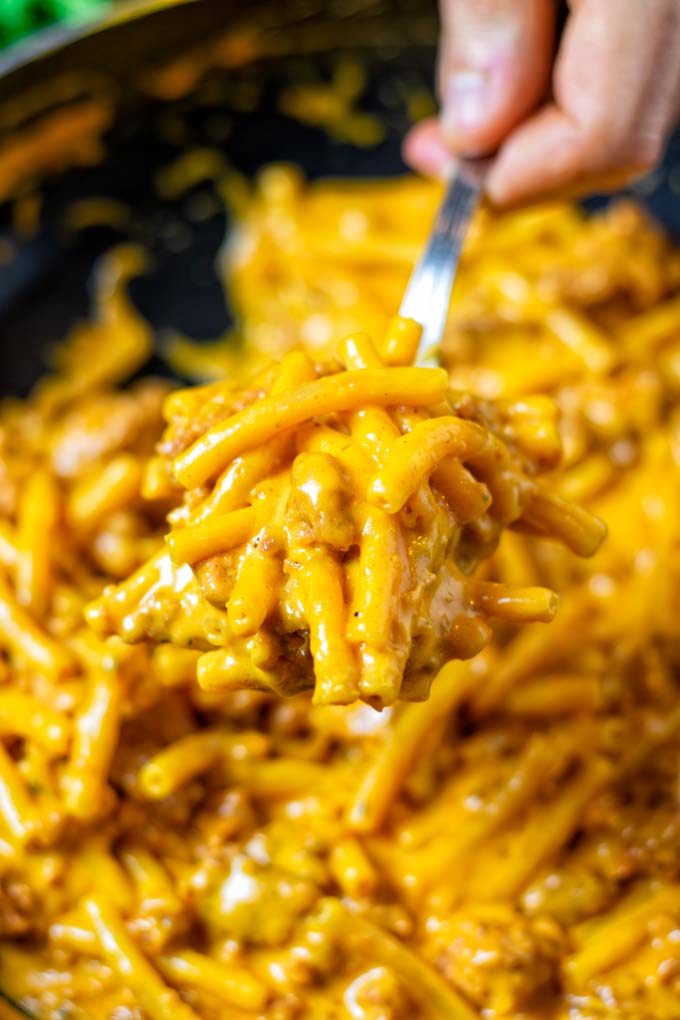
44, 289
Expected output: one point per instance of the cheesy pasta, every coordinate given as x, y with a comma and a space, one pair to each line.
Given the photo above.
506, 847
331, 518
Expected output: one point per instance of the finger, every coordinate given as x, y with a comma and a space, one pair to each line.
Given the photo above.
494, 67
617, 90
551, 154
426, 150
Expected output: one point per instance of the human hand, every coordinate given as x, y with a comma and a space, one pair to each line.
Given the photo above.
615, 93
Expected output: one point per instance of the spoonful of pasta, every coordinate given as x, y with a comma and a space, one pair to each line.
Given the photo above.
330, 517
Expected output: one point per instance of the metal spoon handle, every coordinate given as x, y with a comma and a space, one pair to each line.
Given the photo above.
428, 293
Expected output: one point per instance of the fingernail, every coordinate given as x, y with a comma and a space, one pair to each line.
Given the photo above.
466, 101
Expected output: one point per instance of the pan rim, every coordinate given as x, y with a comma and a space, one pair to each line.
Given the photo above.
52, 39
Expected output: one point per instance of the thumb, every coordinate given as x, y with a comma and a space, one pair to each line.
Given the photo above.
494, 67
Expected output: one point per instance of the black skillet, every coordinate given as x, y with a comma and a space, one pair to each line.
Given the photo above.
44, 288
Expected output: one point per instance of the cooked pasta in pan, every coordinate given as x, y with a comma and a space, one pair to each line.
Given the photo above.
178, 840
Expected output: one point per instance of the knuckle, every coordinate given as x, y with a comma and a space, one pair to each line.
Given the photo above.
646, 149
610, 144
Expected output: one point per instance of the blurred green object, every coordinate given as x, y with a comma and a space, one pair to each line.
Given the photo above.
21, 17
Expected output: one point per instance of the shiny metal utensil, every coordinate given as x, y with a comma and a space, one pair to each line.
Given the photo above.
428, 293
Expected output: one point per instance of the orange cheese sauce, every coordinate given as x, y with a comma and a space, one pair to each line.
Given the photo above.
505, 848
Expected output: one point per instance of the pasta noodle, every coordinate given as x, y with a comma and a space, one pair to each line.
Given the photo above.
177, 840
341, 571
